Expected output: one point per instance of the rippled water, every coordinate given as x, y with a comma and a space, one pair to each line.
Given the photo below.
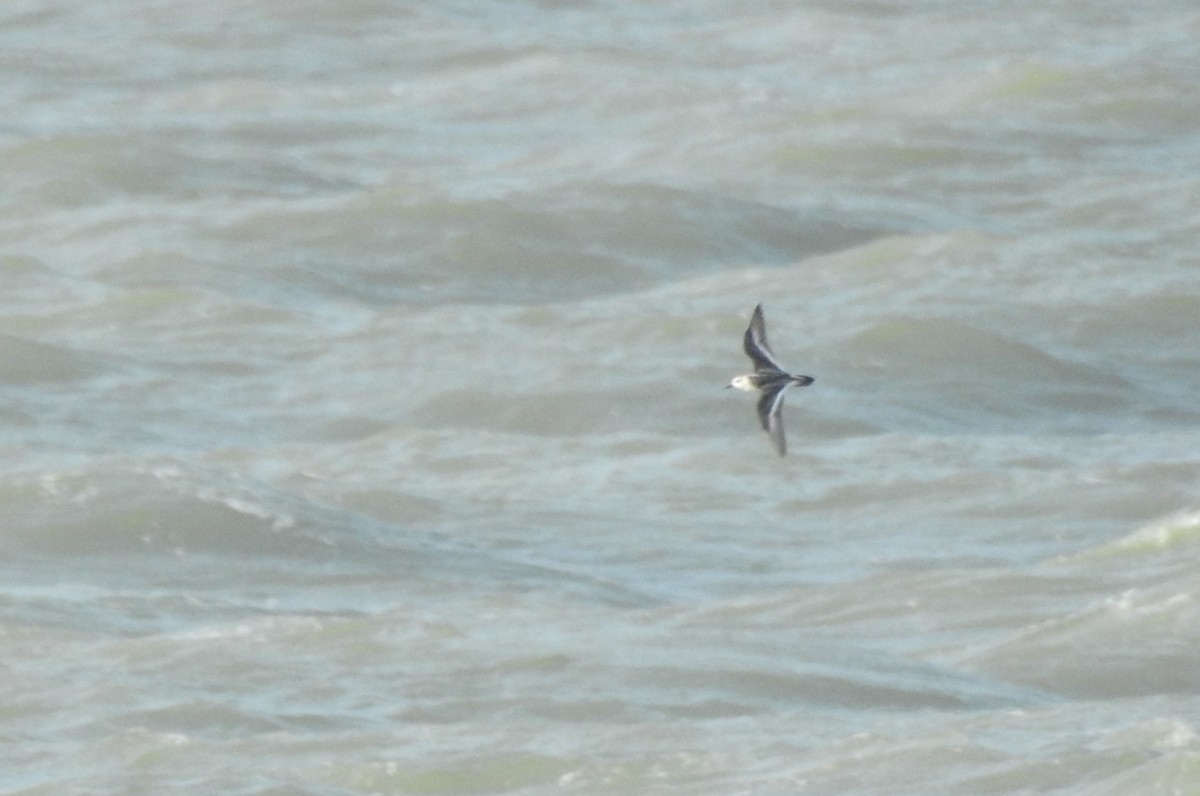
361, 401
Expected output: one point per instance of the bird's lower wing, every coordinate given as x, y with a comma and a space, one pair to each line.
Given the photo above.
775, 432
769, 415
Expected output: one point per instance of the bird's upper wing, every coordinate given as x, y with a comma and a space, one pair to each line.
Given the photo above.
755, 343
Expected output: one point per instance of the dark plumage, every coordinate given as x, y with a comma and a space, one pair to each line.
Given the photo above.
768, 379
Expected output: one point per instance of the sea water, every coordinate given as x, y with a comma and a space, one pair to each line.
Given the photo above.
362, 419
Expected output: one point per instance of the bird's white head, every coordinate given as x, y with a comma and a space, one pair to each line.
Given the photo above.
742, 383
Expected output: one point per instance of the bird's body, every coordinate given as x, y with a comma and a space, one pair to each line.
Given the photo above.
769, 380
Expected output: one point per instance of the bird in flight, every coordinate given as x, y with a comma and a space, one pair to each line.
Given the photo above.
768, 379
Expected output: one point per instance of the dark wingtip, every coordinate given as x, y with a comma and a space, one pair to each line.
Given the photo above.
780, 444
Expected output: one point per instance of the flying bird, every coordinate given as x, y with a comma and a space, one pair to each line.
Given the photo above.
769, 380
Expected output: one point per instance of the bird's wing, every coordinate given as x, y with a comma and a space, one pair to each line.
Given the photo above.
755, 343
769, 415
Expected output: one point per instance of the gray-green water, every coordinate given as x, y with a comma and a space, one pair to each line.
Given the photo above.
362, 418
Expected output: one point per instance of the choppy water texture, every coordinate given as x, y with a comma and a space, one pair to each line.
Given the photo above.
362, 421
